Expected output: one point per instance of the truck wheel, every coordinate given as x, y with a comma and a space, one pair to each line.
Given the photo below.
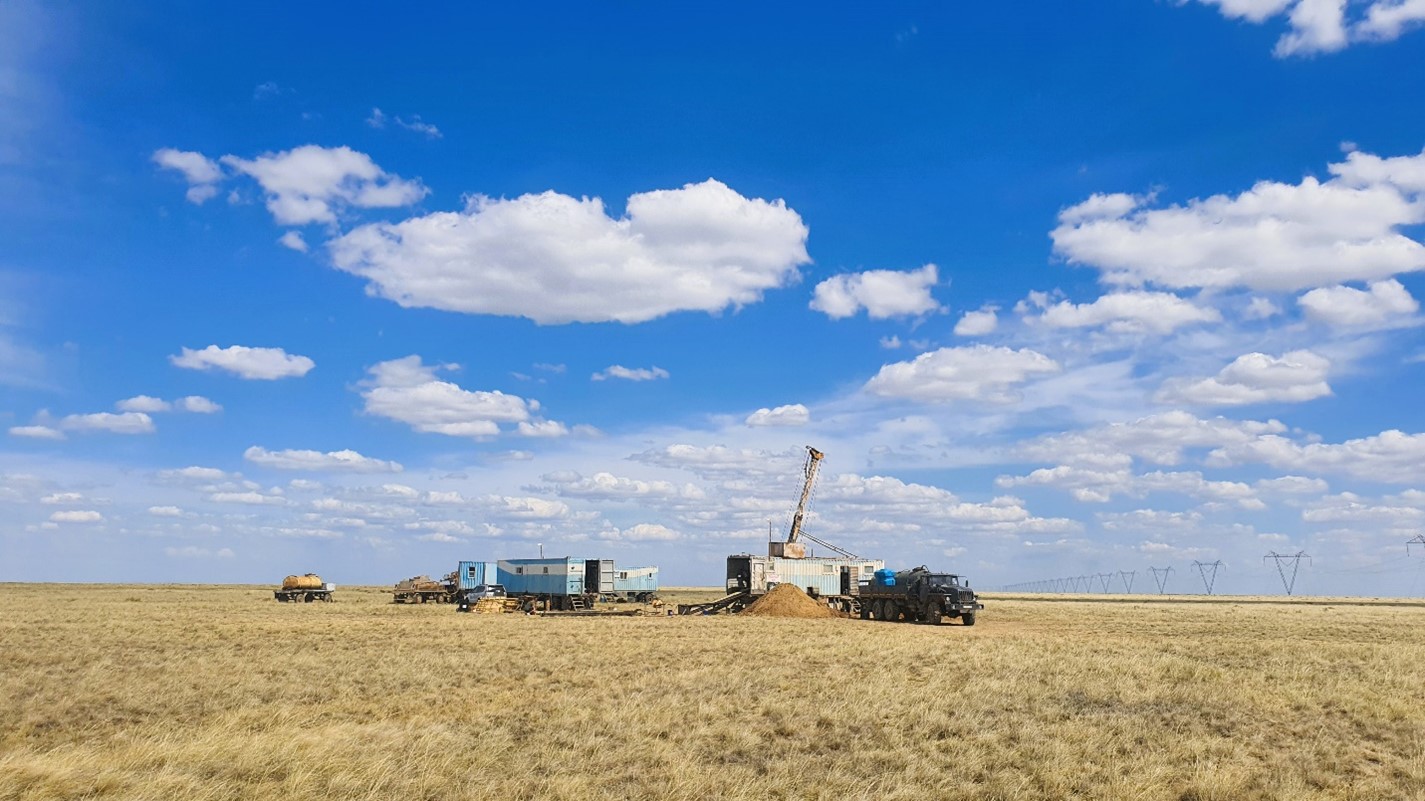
933, 616
883, 610
865, 611
968, 618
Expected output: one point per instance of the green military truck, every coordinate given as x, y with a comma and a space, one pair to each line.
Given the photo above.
919, 596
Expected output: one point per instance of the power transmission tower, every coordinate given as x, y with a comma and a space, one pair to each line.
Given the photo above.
1103, 579
1208, 579
1127, 576
1418, 539
1161, 582
1295, 559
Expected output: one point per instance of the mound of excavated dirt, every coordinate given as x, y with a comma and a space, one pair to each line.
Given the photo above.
787, 600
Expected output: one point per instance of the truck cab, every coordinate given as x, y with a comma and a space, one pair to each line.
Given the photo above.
950, 593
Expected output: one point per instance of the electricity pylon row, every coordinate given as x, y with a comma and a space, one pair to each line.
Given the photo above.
1093, 582
1288, 566
1103, 581
1207, 571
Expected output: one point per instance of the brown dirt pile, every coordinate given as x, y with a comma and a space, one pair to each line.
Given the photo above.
787, 600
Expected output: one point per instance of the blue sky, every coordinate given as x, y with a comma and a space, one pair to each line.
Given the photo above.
1058, 291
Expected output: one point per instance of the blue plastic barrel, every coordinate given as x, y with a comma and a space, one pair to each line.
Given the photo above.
885, 577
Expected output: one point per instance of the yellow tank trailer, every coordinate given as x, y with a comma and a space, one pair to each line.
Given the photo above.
305, 588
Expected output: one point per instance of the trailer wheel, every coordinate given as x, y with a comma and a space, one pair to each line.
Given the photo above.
968, 618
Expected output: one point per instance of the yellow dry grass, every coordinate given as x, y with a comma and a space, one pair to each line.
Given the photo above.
221, 693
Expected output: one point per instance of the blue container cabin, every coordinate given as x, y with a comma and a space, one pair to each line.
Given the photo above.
470, 575
565, 577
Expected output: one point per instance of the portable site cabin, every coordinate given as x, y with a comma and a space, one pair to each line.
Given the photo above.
636, 580
825, 576
556, 578
470, 575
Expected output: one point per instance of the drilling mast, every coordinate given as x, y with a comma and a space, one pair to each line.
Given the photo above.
793, 548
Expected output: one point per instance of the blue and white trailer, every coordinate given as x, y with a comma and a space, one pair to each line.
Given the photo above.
635, 584
563, 583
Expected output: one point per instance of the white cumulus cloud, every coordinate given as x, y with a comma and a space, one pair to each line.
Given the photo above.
195, 473
978, 323
1326, 26
609, 487
343, 460
143, 403
201, 172
557, 259
630, 373
312, 184
122, 423
1130, 312
791, 415
293, 240
1380, 305
197, 404
408, 391
252, 363
882, 293
250, 498
980, 372
1160, 438
1274, 236
1391, 456
36, 432
76, 516
149, 404
1293, 377
643, 532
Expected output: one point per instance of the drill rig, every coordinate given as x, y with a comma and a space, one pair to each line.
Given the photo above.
835, 579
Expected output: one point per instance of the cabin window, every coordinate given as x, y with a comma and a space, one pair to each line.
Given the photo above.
519, 570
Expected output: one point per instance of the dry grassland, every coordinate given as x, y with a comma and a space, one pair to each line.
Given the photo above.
193, 693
